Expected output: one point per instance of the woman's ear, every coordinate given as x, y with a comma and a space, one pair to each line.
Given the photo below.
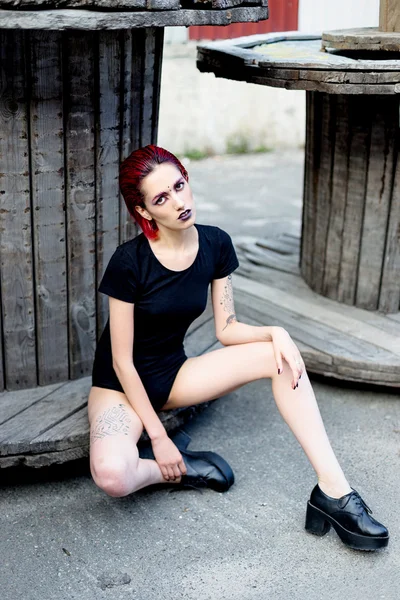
143, 213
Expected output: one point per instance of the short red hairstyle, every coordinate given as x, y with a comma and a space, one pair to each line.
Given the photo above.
133, 170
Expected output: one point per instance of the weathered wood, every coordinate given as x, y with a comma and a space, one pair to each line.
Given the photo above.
348, 197
269, 258
98, 4
107, 159
48, 215
131, 101
389, 15
362, 39
90, 19
333, 250
14, 402
80, 200
324, 154
389, 299
386, 326
377, 202
323, 314
16, 260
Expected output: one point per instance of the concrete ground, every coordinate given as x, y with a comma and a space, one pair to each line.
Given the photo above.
63, 538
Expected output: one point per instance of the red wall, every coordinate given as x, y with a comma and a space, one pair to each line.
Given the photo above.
283, 16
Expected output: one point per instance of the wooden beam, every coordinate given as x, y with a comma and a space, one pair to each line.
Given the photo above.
389, 15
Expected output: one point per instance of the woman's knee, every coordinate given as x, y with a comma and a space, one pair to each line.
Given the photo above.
114, 475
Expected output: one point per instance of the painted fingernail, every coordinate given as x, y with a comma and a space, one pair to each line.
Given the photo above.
279, 371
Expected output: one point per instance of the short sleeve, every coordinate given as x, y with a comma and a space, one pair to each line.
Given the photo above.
119, 280
227, 260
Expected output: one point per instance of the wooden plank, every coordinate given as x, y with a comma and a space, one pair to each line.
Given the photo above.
130, 119
386, 324
16, 261
80, 199
96, 4
15, 402
384, 131
71, 432
45, 459
107, 159
313, 116
348, 325
86, 20
158, 61
268, 258
148, 91
332, 76
325, 122
338, 200
389, 299
389, 15
344, 348
201, 340
356, 184
48, 216
280, 246
16, 434
205, 316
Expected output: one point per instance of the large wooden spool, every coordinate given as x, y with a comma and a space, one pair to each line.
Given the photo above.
79, 90
351, 210
350, 246
72, 104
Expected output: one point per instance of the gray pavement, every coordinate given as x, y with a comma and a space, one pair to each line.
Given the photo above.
64, 538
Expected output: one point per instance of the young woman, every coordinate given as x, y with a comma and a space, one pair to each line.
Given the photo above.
157, 285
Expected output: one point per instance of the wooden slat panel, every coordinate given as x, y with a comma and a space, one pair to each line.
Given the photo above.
107, 159
17, 434
385, 113
80, 199
389, 300
158, 59
313, 115
47, 172
345, 348
202, 339
130, 106
322, 313
15, 209
384, 325
147, 99
13, 403
338, 200
389, 15
69, 433
322, 208
358, 163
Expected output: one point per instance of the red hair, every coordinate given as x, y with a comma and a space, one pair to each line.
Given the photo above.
133, 170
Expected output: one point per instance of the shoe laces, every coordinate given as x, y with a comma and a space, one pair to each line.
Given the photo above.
360, 502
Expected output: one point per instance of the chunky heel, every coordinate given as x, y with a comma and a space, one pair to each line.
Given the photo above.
316, 522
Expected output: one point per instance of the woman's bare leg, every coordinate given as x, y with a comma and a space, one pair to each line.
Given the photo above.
216, 373
115, 429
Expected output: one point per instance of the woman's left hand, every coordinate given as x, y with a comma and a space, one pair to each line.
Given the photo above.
285, 348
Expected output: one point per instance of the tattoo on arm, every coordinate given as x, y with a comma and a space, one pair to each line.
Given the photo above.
112, 421
227, 302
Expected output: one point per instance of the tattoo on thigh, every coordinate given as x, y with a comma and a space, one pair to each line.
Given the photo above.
227, 302
112, 421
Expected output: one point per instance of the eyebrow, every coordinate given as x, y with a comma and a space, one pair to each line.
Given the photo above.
162, 193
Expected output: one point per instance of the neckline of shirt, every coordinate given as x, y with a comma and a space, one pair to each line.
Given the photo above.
171, 270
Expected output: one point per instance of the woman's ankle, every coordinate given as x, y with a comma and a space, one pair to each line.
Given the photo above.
334, 489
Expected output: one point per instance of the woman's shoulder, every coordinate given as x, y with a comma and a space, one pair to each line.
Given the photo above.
212, 232
133, 246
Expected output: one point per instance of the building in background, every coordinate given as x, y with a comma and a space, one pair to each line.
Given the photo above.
202, 115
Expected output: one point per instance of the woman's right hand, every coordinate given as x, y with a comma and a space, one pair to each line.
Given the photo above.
168, 458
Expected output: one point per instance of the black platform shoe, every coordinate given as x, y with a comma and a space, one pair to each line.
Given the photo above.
204, 469
350, 518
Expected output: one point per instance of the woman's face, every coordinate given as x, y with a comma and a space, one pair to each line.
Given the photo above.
168, 198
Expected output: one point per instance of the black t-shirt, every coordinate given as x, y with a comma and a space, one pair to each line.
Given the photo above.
166, 302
